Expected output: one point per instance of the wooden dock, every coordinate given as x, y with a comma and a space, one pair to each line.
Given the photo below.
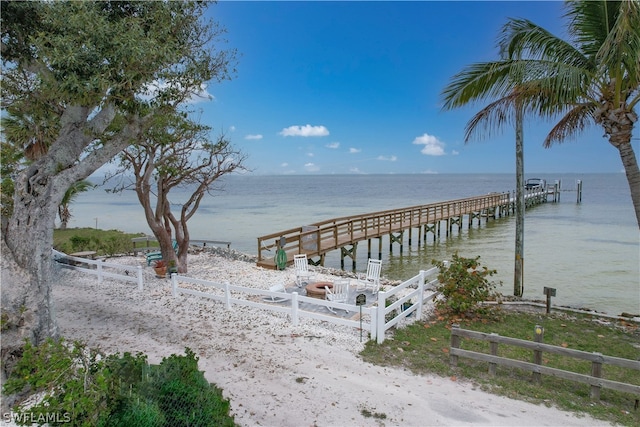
344, 234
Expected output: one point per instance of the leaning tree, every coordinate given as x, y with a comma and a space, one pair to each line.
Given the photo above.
89, 67
176, 153
593, 78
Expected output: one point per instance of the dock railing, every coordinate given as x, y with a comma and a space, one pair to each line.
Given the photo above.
322, 237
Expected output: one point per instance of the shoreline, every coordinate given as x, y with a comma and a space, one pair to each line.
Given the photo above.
272, 372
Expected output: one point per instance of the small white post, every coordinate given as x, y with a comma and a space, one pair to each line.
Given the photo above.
294, 309
140, 281
99, 271
174, 285
373, 327
421, 293
381, 321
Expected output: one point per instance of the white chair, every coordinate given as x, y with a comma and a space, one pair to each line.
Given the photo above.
372, 278
303, 275
339, 293
276, 289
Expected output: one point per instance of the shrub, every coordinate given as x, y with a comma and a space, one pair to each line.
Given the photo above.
85, 389
464, 284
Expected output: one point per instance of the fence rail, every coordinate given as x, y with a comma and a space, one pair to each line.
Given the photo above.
399, 309
422, 283
416, 291
595, 380
100, 268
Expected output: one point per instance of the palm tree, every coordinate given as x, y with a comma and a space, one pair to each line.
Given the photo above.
592, 79
69, 196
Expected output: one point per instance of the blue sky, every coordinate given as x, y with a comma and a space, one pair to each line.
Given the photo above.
355, 87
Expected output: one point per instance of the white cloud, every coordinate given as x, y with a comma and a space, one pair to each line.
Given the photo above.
232, 128
333, 145
432, 145
284, 165
306, 130
253, 137
455, 152
388, 159
311, 167
354, 150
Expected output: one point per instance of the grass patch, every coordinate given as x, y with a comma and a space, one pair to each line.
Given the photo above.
104, 242
423, 348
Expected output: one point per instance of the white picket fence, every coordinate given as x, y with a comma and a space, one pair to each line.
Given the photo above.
416, 291
102, 269
423, 286
406, 301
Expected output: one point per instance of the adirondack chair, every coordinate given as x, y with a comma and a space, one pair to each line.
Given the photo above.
301, 264
339, 293
371, 280
157, 255
278, 289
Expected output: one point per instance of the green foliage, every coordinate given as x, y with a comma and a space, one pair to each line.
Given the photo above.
104, 242
464, 284
86, 390
179, 388
71, 376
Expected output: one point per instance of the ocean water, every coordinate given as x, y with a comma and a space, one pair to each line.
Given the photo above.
589, 252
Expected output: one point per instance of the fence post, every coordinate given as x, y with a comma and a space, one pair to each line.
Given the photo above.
537, 354
493, 346
455, 343
174, 285
596, 371
294, 308
421, 292
227, 296
140, 281
381, 321
373, 327
99, 271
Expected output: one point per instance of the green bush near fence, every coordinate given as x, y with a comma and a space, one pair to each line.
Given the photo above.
104, 242
84, 388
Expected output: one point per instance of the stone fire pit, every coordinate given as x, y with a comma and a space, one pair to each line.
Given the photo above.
317, 290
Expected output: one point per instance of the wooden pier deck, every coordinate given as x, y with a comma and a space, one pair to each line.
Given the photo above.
344, 233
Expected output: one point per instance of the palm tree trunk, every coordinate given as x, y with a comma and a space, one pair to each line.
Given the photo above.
630, 163
520, 206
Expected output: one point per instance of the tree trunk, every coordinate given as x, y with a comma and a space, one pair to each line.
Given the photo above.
630, 163
520, 207
27, 274
27, 303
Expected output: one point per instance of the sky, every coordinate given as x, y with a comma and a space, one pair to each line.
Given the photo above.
355, 88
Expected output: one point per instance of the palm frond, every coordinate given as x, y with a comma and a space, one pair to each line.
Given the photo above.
569, 126
590, 23
477, 82
521, 38
490, 119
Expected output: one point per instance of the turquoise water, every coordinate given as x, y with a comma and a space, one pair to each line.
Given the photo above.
589, 252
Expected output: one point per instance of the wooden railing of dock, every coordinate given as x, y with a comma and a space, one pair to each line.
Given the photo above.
319, 238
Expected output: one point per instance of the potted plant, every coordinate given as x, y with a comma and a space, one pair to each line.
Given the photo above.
161, 268
172, 267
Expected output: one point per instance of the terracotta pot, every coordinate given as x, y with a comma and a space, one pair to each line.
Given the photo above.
161, 271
